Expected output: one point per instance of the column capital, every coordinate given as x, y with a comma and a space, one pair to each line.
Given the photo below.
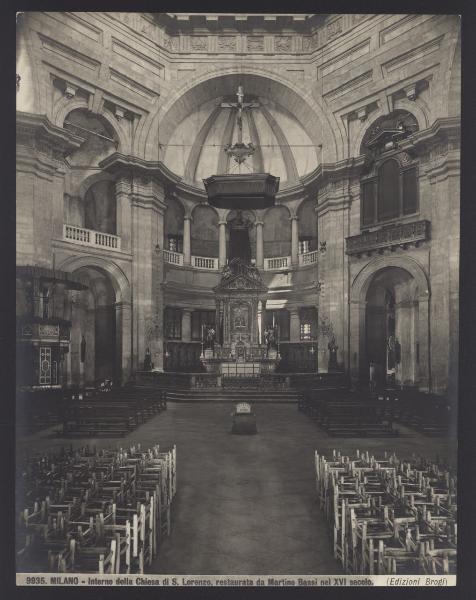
294, 218
259, 223
188, 218
222, 222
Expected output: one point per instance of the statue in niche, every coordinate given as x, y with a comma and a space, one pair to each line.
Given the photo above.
333, 347
148, 365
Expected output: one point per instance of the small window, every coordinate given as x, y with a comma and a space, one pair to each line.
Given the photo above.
308, 323
305, 331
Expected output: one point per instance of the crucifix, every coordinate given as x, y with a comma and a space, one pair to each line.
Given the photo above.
239, 150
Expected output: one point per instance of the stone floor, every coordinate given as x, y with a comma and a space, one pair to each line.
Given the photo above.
246, 504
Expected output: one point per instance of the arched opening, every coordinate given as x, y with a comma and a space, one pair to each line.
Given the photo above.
94, 355
204, 232
241, 236
277, 232
100, 207
391, 329
173, 226
307, 226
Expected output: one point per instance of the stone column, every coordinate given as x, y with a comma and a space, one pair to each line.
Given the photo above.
259, 245
186, 325
294, 240
186, 240
295, 326
260, 322
222, 243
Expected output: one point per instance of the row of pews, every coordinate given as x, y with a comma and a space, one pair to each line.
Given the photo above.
94, 511
428, 413
344, 413
114, 412
389, 516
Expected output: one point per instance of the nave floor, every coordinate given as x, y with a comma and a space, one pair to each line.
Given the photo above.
246, 504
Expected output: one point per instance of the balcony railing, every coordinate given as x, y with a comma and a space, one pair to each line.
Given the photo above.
204, 262
174, 258
89, 237
277, 263
398, 235
308, 258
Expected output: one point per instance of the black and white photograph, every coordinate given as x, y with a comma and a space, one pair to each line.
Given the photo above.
237, 299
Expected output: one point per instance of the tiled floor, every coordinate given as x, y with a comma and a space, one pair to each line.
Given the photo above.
246, 504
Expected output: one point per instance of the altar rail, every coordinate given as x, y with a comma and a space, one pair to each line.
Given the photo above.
89, 237
211, 380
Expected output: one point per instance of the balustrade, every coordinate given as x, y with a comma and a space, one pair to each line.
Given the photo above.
308, 258
89, 237
202, 262
174, 258
397, 235
274, 264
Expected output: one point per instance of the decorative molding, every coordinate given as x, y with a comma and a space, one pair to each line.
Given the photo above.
255, 43
334, 28
198, 43
69, 54
138, 58
348, 86
401, 27
283, 43
413, 55
344, 59
226, 43
132, 85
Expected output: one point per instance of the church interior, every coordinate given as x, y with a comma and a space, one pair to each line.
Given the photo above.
237, 291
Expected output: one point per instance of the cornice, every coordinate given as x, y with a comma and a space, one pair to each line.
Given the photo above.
38, 132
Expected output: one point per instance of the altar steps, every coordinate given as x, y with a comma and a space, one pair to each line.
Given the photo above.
233, 395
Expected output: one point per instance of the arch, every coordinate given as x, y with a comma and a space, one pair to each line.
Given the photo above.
173, 224
204, 231
363, 279
277, 231
307, 222
296, 99
415, 303
65, 108
357, 148
91, 180
117, 276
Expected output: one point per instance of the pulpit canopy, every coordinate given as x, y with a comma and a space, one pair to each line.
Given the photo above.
242, 191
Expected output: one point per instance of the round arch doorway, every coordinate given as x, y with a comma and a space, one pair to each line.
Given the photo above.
389, 322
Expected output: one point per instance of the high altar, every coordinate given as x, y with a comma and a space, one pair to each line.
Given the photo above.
240, 302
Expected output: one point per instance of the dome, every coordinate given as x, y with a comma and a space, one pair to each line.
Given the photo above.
195, 149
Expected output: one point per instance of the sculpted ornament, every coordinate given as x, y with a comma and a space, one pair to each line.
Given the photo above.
255, 43
282, 43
